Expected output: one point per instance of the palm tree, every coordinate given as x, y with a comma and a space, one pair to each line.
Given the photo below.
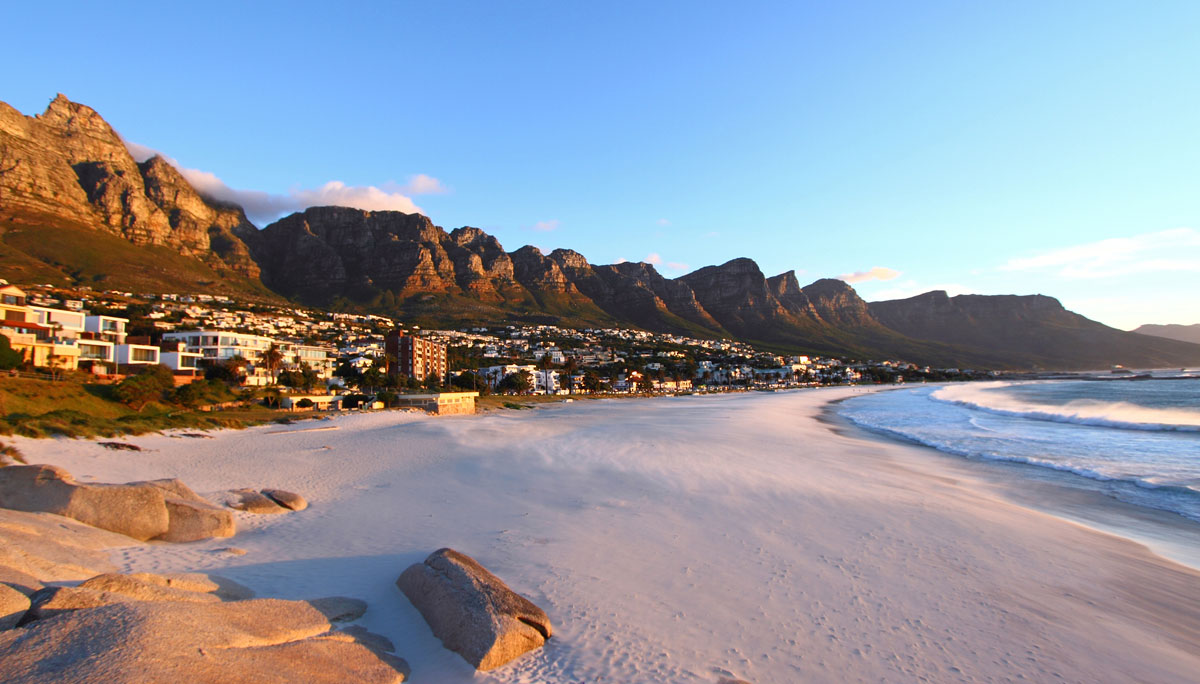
272, 359
569, 368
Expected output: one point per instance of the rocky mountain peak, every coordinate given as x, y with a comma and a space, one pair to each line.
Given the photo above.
837, 303
569, 258
70, 164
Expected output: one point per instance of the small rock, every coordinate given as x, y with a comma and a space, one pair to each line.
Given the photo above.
340, 608
286, 499
232, 550
120, 446
472, 611
250, 501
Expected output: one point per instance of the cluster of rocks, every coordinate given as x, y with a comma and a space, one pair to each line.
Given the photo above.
265, 502
66, 615
190, 627
161, 510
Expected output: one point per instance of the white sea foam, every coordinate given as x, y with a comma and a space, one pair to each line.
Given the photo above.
1115, 414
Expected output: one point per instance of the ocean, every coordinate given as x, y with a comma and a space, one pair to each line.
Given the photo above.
1135, 440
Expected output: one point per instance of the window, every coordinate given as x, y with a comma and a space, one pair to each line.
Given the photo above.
144, 355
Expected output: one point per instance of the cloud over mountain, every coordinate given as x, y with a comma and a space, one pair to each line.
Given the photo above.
877, 273
264, 207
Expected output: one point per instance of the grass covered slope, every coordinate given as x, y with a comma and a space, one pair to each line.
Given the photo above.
38, 248
77, 407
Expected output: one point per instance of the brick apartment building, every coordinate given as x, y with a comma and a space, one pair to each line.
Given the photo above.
415, 357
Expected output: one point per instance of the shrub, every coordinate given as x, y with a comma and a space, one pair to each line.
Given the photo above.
162, 375
304, 403
9, 357
136, 391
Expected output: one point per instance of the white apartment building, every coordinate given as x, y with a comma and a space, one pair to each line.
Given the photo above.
110, 328
174, 355
137, 354
216, 346
65, 324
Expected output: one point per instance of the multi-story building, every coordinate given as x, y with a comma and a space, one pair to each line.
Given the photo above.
317, 358
110, 328
415, 357
217, 346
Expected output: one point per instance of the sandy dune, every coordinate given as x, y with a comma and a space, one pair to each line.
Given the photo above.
683, 540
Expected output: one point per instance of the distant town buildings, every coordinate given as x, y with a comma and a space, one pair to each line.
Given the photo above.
416, 357
118, 332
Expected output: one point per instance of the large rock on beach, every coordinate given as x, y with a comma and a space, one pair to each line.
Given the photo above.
191, 517
472, 611
42, 547
261, 640
135, 510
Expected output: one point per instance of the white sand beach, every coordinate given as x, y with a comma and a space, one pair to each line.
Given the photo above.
681, 540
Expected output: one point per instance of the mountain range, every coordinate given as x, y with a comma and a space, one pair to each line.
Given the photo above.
75, 207
1172, 331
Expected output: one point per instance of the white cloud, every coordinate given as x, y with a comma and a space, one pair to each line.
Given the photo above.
677, 266
621, 260
653, 258
1168, 250
663, 222
421, 184
911, 288
141, 153
264, 207
877, 273
545, 226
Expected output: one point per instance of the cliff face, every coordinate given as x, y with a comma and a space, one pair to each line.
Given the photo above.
70, 165
736, 294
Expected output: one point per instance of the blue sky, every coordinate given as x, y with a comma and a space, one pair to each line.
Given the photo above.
1015, 148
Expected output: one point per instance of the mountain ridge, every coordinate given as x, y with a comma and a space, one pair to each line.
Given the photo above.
74, 204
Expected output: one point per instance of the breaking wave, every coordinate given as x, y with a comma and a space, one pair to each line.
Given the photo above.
1113, 414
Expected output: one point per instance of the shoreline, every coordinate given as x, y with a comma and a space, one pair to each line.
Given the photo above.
1062, 494
682, 540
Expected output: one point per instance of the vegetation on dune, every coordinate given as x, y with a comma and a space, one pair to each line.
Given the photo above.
80, 406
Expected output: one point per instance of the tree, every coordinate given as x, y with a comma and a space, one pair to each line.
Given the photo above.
517, 383
136, 391
271, 397
199, 392
592, 382
54, 363
304, 378
231, 371
9, 357
349, 373
469, 382
272, 359
569, 369
164, 376
645, 384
